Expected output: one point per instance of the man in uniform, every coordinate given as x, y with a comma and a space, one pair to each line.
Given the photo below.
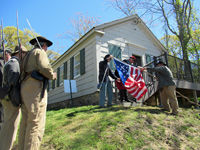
7, 57
168, 85
33, 105
11, 72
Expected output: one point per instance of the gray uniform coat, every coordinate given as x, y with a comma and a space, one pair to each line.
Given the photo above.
165, 76
11, 72
1, 71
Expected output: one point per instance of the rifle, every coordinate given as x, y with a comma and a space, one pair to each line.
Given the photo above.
2, 41
18, 38
34, 34
37, 75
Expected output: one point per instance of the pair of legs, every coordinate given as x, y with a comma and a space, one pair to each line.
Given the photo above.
33, 115
106, 87
169, 100
9, 125
123, 95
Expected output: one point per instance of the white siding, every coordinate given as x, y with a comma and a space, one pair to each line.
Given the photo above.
128, 33
85, 83
132, 40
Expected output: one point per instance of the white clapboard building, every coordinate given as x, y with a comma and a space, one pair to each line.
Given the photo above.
122, 38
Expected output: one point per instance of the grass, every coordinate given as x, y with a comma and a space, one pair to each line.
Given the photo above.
118, 127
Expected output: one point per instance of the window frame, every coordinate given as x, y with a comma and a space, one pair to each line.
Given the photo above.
75, 65
61, 83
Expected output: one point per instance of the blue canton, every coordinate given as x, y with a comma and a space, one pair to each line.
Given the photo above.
123, 70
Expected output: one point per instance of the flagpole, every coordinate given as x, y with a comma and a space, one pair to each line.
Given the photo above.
150, 74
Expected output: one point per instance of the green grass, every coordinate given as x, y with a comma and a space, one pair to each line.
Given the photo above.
121, 128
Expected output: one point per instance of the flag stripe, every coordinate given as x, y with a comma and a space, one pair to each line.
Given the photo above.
132, 79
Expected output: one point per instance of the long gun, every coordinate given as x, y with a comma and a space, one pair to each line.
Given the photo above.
2, 41
18, 38
45, 80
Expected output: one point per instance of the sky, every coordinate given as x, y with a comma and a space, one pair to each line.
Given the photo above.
51, 17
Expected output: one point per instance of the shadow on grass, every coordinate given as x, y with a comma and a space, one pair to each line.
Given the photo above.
97, 109
154, 110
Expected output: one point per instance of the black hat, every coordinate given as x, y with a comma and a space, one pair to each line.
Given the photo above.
161, 62
108, 55
41, 39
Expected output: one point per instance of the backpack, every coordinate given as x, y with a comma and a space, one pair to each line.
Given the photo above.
14, 94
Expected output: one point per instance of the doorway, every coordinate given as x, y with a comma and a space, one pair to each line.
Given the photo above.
138, 60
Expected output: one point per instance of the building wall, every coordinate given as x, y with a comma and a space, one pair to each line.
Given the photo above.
127, 35
85, 83
130, 38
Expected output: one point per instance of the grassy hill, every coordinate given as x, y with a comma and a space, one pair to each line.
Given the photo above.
118, 127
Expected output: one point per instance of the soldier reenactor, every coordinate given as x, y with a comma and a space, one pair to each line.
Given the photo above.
167, 83
34, 95
11, 73
7, 57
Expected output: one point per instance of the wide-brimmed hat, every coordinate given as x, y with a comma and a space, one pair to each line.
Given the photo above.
133, 57
161, 62
8, 50
17, 49
41, 39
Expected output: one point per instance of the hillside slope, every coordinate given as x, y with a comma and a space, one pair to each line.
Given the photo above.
121, 127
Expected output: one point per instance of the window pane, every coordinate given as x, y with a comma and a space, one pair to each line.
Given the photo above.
61, 73
77, 70
77, 64
77, 59
116, 52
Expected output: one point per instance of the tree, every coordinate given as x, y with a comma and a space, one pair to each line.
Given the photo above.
11, 40
194, 46
80, 24
172, 44
178, 15
52, 55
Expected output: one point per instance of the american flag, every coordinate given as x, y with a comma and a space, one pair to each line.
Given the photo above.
132, 79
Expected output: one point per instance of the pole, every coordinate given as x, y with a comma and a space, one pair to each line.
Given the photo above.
34, 34
0, 38
18, 38
3, 41
71, 92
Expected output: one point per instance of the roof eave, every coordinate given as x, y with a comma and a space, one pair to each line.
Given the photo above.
84, 37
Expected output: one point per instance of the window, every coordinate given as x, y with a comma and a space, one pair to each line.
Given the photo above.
149, 58
116, 52
50, 85
61, 74
77, 65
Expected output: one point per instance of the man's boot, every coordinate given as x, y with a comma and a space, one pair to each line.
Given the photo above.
126, 95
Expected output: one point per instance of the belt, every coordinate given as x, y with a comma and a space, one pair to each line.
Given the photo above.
27, 74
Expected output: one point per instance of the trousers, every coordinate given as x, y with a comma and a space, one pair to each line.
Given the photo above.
9, 125
33, 119
123, 95
106, 87
168, 99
